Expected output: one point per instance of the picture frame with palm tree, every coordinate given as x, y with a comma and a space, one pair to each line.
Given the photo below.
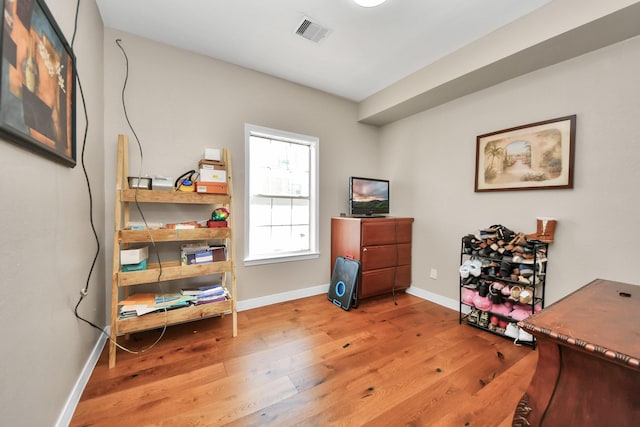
535, 156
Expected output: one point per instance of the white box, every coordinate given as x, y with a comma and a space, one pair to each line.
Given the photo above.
162, 183
212, 154
213, 175
134, 256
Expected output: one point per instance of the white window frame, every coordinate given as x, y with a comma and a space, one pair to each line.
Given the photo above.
313, 143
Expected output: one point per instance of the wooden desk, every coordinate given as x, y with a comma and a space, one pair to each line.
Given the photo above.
588, 371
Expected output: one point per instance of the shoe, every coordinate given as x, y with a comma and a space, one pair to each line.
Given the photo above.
526, 296
519, 250
524, 336
483, 289
524, 280
505, 269
545, 229
484, 319
515, 293
475, 268
519, 240
464, 269
512, 331
526, 270
506, 291
473, 316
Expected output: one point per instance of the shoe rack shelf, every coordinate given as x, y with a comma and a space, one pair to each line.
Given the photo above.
502, 281
126, 283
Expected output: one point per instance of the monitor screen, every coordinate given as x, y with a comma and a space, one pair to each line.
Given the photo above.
368, 196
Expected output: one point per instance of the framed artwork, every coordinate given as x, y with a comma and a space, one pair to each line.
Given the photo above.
530, 157
37, 82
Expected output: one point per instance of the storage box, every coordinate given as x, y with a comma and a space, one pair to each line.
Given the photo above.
211, 187
143, 183
162, 183
212, 153
211, 164
213, 254
217, 224
213, 175
219, 253
134, 256
142, 265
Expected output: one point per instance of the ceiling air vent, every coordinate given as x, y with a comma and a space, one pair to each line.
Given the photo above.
311, 31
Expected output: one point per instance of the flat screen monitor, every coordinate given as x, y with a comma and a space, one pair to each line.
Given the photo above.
368, 196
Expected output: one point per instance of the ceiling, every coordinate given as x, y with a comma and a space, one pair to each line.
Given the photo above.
364, 51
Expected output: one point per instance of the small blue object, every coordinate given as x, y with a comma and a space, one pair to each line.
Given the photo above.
340, 288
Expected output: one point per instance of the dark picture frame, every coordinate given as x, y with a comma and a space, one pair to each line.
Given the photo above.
536, 156
37, 82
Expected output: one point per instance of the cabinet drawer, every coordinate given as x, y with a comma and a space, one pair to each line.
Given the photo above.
376, 282
378, 233
404, 231
375, 257
403, 276
404, 254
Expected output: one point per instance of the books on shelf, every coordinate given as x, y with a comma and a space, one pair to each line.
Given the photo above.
202, 253
144, 303
207, 294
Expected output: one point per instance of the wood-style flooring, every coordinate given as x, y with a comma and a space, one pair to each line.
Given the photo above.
309, 363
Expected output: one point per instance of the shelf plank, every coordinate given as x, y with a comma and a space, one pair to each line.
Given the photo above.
172, 235
155, 196
171, 271
172, 317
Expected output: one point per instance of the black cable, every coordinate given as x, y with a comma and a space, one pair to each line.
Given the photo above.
84, 292
139, 208
126, 116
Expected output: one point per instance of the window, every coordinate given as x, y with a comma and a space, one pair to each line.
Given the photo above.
281, 197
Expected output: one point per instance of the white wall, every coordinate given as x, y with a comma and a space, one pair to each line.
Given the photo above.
47, 248
431, 161
179, 103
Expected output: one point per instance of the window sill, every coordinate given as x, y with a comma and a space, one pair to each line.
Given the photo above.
283, 258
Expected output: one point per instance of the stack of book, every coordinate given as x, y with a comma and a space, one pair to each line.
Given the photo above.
206, 294
143, 303
201, 253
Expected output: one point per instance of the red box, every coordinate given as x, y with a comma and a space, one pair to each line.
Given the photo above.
217, 224
211, 187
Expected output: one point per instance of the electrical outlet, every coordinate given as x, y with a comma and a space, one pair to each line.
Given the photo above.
434, 273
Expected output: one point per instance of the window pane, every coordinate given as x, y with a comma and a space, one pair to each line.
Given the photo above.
260, 211
280, 238
281, 212
260, 240
300, 237
300, 211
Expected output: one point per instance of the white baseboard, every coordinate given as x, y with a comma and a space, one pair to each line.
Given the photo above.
72, 402
282, 297
453, 304
76, 392
323, 289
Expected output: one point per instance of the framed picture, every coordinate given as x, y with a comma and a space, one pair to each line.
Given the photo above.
530, 157
37, 83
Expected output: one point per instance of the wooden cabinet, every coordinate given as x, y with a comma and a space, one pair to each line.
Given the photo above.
383, 247
124, 283
588, 371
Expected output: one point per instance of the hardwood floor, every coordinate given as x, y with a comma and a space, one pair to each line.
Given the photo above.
307, 362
